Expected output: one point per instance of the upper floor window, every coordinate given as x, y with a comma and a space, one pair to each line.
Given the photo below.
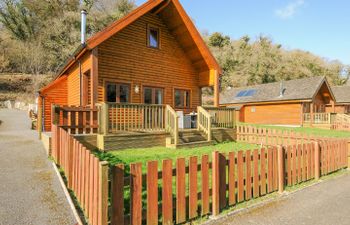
153, 37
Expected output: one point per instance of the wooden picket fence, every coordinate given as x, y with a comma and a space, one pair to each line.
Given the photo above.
76, 119
86, 175
194, 187
272, 137
175, 192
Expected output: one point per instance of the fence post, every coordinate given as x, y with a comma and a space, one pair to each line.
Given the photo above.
215, 183
104, 117
103, 198
209, 128
348, 155
281, 173
317, 160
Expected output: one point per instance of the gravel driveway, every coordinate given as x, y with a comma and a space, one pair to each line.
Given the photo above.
326, 203
30, 192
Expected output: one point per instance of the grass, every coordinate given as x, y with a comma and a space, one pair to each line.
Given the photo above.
309, 131
160, 153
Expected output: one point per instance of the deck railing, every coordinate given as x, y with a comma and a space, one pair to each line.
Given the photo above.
172, 124
222, 117
317, 118
341, 122
120, 117
75, 119
204, 121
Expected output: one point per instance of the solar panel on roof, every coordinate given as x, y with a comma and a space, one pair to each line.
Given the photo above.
246, 93
250, 92
240, 94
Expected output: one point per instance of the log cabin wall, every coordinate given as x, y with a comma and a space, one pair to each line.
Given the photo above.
55, 95
282, 114
73, 80
322, 99
126, 58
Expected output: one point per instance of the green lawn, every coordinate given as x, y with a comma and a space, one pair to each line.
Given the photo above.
159, 153
310, 131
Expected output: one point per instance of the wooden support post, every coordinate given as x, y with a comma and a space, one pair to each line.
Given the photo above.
348, 152
216, 88
40, 117
209, 128
215, 184
104, 115
317, 160
311, 114
103, 198
281, 173
94, 76
176, 130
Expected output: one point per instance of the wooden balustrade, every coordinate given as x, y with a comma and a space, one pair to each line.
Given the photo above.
317, 118
341, 122
120, 117
222, 117
204, 122
171, 123
75, 119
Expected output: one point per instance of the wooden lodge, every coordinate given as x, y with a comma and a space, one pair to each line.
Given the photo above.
144, 74
342, 97
301, 102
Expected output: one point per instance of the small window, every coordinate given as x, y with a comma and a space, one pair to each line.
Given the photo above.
119, 93
182, 99
153, 37
153, 95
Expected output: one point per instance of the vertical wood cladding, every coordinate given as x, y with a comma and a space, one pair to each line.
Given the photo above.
126, 58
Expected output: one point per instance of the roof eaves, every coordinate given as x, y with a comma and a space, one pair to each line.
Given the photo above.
203, 48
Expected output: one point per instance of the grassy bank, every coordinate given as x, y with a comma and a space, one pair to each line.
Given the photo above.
309, 131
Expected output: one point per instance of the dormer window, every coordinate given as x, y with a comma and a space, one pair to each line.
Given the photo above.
153, 37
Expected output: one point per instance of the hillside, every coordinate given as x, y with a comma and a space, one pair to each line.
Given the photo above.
20, 86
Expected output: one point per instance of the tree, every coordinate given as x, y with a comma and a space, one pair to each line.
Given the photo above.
50, 27
218, 40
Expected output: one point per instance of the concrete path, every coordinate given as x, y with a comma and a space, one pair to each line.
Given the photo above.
326, 203
30, 192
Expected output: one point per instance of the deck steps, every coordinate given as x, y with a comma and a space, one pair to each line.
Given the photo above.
191, 136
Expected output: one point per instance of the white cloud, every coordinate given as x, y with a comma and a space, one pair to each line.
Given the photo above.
289, 10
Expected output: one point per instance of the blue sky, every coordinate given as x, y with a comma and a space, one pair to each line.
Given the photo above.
318, 26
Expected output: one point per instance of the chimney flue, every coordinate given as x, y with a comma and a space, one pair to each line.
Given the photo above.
83, 26
281, 89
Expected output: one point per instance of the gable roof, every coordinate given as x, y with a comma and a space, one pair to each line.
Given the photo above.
52, 84
299, 89
179, 23
341, 94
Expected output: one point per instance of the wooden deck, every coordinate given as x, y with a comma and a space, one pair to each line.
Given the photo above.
126, 126
187, 139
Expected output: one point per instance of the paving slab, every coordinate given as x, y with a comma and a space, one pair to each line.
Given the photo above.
325, 203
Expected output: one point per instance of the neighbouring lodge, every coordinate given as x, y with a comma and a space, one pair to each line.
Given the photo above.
145, 68
342, 97
292, 102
